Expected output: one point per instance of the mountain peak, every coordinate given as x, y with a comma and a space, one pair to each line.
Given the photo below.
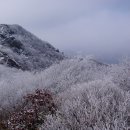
24, 50
9, 29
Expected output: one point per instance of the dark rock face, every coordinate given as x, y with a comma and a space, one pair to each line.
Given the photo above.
21, 49
5, 59
13, 44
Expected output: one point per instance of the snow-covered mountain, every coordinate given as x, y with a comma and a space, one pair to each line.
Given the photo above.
21, 49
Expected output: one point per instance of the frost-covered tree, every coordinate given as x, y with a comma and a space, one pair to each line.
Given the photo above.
98, 105
121, 74
90, 95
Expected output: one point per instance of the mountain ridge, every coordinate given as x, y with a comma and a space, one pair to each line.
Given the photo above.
23, 50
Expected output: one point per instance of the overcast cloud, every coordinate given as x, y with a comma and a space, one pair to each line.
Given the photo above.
98, 27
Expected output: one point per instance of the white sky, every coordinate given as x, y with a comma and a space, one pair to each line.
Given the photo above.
98, 27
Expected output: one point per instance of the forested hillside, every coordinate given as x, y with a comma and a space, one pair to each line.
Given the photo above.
75, 94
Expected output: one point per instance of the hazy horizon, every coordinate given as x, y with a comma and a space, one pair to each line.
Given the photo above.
96, 27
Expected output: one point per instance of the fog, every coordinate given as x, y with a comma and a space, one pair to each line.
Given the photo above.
96, 27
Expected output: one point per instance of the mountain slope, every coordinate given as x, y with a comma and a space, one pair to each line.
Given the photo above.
21, 49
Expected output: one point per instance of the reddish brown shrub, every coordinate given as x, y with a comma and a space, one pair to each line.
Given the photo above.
35, 107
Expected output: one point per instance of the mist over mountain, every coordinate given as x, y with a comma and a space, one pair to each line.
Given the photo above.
21, 49
41, 88
75, 75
